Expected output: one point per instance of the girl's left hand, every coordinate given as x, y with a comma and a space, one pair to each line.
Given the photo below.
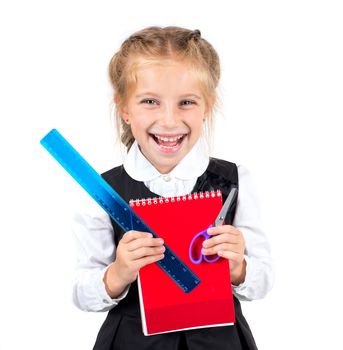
228, 242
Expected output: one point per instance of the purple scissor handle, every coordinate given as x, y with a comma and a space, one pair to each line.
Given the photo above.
196, 243
196, 246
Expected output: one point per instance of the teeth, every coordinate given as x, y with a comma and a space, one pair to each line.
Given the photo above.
169, 139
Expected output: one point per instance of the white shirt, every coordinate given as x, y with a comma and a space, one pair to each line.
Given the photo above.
94, 237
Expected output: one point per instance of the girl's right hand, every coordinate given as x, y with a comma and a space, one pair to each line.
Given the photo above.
135, 250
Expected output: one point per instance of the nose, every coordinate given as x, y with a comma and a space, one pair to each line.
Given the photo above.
169, 116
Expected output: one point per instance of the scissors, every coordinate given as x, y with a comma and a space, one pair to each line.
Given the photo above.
196, 243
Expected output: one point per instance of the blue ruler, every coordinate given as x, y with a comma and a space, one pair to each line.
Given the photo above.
113, 204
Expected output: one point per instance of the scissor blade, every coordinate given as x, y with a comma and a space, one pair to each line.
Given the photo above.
227, 204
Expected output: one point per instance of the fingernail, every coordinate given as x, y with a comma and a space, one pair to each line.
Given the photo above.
160, 240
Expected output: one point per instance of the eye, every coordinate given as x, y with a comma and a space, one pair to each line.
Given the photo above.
187, 103
149, 101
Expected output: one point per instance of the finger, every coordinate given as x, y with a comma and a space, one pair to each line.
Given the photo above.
146, 251
131, 235
223, 238
217, 230
144, 242
139, 263
230, 256
221, 247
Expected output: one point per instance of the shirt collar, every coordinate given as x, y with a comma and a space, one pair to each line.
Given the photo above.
191, 166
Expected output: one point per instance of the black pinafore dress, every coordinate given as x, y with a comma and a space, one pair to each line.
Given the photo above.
122, 328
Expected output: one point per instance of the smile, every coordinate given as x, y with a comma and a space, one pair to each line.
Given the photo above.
168, 143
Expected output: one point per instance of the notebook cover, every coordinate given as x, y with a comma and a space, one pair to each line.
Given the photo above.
165, 307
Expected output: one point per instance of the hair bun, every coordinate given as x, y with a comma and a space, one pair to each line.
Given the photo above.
197, 33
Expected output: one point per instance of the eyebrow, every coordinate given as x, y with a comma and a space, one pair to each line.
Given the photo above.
190, 95
147, 94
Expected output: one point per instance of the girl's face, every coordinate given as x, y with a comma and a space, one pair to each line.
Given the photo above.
166, 111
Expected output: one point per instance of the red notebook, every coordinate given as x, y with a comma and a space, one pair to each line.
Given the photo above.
165, 307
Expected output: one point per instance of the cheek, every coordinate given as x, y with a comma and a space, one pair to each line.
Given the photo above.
196, 122
139, 127
138, 120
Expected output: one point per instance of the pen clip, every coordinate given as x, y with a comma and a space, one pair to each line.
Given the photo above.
227, 204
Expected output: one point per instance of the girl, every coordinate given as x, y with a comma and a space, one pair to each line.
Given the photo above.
165, 82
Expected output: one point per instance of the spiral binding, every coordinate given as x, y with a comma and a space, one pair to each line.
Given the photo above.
162, 200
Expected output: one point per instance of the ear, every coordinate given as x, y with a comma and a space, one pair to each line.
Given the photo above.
122, 109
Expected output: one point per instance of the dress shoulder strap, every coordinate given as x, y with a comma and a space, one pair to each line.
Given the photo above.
220, 175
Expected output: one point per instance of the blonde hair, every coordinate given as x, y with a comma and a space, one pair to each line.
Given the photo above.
153, 45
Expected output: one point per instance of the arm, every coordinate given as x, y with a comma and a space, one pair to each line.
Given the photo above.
259, 275
244, 245
104, 272
95, 252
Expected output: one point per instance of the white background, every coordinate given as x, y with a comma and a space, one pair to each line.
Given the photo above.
282, 89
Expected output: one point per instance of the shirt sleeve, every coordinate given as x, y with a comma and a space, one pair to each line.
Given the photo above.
259, 277
95, 251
